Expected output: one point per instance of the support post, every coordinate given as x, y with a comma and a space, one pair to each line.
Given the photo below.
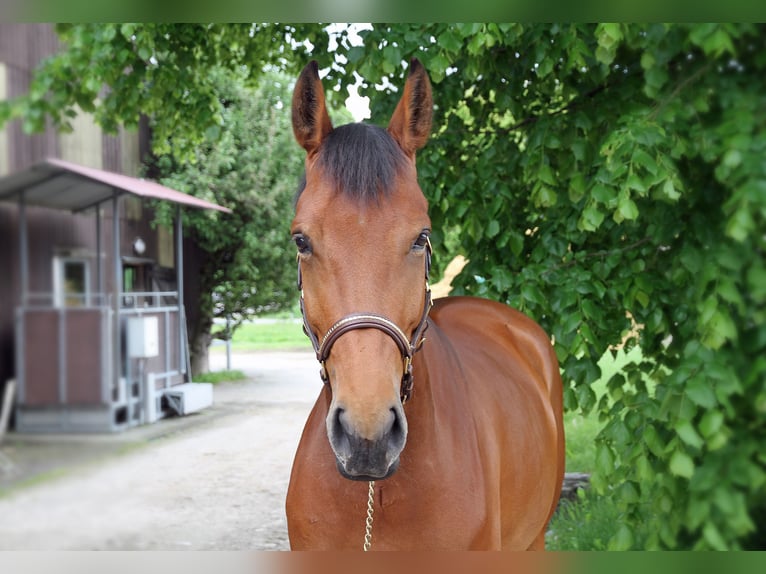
99, 266
21, 312
228, 342
23, 249
182, 342
117, 291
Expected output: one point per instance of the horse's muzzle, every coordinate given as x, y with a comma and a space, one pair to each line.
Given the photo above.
361, 458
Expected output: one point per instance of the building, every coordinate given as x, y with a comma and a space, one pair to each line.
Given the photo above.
92, 321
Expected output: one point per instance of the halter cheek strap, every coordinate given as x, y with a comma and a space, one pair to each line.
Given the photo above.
407, 347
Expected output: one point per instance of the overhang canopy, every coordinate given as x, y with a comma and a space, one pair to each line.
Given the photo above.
60, 184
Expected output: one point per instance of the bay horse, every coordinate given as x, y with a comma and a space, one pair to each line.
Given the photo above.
484, 458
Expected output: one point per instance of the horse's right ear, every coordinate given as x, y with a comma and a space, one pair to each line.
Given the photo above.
311, 122
410, 124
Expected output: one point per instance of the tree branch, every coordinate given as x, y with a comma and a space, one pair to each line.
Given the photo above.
600, 254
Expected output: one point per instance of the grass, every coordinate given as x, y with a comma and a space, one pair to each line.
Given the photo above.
594, 519
590, 524
219, 376
278, 334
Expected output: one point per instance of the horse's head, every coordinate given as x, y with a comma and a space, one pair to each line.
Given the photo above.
361, 227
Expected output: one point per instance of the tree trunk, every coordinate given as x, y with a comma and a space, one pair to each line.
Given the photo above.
198, 287
198, 348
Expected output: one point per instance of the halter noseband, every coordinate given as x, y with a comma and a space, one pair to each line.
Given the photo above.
407, 347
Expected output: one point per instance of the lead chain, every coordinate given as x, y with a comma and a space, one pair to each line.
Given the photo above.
368, 521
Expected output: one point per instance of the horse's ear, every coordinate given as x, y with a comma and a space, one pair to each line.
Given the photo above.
311, 123
410, 125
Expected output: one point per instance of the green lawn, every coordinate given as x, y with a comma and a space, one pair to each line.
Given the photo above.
281, 334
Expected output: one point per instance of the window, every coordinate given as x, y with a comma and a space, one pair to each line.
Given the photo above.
71, 282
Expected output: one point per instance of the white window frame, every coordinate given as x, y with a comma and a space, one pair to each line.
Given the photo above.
59, 263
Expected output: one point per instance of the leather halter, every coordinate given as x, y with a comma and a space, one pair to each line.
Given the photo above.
407, 346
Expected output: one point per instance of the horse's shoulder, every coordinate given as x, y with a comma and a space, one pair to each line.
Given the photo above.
472, 323
476, 314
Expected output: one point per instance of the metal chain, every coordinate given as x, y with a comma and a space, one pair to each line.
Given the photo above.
368, 521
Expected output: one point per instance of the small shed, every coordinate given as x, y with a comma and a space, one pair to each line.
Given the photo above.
100, 332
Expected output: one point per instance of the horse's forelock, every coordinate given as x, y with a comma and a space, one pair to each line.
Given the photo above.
361, 160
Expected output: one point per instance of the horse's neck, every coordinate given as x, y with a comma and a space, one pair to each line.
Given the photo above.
438, 379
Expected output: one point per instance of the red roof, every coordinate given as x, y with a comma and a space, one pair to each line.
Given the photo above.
61, 184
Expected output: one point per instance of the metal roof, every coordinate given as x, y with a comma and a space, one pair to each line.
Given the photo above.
60, 184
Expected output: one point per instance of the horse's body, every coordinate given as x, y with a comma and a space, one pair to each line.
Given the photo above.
484, 457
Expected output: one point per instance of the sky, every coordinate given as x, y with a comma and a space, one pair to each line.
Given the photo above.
358, 106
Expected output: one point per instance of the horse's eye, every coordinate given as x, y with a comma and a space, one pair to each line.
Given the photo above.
302, 243
421, 241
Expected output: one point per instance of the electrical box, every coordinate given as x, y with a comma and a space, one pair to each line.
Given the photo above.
143, 337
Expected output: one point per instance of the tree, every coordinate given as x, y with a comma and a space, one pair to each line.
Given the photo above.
599, 170
589, 171
165, 71
253, 166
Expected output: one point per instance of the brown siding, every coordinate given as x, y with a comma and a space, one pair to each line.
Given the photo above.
41, 361
22, 47
8, 287
83, 357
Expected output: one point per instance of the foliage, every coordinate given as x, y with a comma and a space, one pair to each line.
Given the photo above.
582, 429
589, 523
165, 71
253, 168
600, 170
589, 171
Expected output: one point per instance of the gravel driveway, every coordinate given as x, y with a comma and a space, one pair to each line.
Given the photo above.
212, 480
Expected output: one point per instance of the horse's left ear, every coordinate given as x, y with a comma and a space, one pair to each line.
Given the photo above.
410, 125
311, 122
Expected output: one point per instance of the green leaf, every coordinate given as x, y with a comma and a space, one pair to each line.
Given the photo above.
591, 218
626, 209
604, 459
576, 188
623, 538
697, 512
700, 392
636, 183
545, 174
516, 241
602, 193
669, 190
531, 292
586, 398
681, 464
437, 67
713, 537
688, 434
450, 40
493, 228
711, 423
741, 224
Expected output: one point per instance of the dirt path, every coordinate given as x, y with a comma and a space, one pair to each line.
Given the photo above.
219, 483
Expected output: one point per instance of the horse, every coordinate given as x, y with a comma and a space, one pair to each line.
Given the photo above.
439, 426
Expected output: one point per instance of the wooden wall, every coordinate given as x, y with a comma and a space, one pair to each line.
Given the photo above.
22, 48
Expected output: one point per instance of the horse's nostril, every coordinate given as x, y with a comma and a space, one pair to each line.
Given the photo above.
397, 432
340, 430
344, 424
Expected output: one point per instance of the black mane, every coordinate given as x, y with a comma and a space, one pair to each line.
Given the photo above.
361, 159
